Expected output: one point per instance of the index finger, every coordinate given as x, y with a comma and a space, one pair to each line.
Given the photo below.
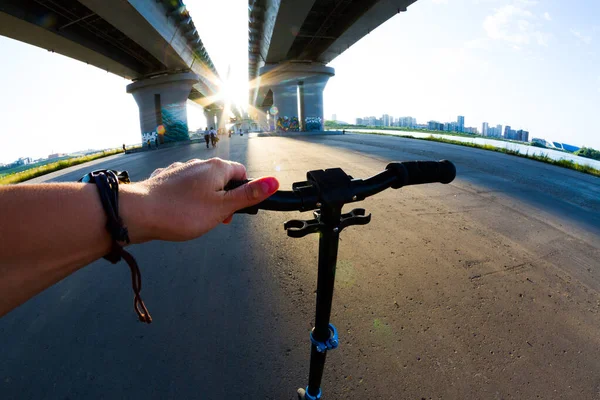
236, 172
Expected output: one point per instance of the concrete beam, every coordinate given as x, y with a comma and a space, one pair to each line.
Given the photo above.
275, 74
266, 16
373, 18
26, 32
290, 18
147, 23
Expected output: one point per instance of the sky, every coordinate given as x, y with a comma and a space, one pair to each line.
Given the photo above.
529, 64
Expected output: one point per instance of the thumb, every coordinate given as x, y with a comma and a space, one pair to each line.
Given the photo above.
251, 193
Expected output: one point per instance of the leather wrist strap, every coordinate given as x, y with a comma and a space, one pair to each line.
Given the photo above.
107, 183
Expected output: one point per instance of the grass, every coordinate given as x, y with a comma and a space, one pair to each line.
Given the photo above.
21, 168
542, 158
55, 166
421, 130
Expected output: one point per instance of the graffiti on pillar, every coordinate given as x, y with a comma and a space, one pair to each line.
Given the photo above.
151, 137
313, 124
285, 124
176, 129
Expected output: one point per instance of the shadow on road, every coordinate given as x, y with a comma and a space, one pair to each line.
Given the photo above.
222, 328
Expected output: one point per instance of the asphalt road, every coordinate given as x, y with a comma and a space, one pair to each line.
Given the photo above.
484, 288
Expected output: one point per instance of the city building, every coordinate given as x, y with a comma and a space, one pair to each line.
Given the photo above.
484, 129
385, 120
542, 142
406, 122
359, 121
435, 126
460, 123
334, 117
570, 147
494, 131
512, 134
522, 135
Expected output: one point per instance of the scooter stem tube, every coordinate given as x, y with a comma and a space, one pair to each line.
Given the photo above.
328, 249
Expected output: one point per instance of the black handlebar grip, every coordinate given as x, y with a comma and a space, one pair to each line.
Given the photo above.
235, 183
418, 172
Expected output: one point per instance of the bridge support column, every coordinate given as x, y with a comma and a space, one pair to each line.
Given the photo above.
297, 94
261, 118
285, 101
310, 95
211, 118
222, 120
162, 104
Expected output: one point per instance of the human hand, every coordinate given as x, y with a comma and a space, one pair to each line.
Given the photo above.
186, 200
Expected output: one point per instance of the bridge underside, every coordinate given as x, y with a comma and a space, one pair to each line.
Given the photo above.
71, 21
154, 43
312, 30
79, 29
289, 38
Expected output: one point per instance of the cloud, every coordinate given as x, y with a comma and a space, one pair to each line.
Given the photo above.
547, 16
479, 43
585, 39
526, 3
515, 24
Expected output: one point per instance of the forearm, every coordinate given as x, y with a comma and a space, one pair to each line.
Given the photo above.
49, 231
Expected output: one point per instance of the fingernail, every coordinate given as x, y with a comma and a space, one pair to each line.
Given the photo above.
269, 185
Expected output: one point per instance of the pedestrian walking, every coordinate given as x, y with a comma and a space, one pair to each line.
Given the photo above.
206, 136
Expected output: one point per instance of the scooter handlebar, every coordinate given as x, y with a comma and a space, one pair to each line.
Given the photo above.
419, 172
396, 175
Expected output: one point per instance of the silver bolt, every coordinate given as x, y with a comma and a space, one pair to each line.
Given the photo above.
336, 229
354, 197
319, 205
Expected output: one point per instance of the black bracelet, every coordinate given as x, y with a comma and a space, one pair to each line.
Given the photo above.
107, 182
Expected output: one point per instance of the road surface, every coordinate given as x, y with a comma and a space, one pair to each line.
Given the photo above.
484, 288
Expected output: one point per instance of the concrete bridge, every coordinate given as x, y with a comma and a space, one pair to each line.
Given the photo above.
156, 44
290, 43
153, 43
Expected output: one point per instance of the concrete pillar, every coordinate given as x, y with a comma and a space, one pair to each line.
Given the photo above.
301, 106
162, 104
285, 99
211, 116
313, 88
297, 93
262, 117
222, 120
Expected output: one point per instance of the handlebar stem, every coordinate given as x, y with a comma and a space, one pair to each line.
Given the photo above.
328, 249
334, 186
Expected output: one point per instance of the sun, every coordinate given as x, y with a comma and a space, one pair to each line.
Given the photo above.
227, 92
232, 91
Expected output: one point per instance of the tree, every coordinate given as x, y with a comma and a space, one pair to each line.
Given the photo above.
588, 152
